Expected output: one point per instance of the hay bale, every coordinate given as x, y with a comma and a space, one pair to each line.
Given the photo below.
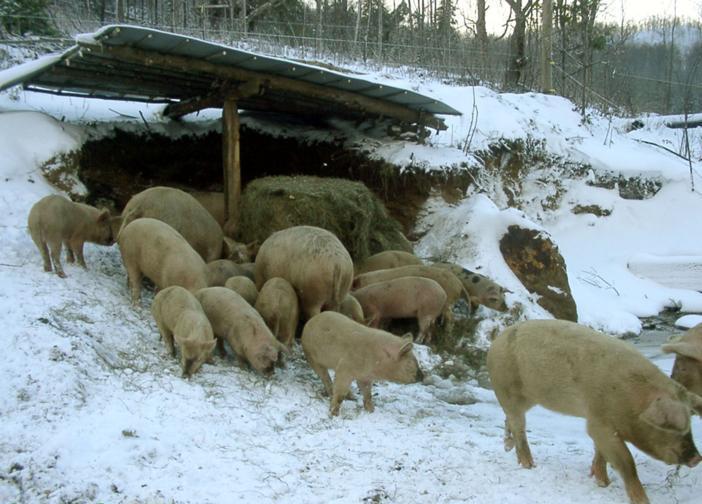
346, 208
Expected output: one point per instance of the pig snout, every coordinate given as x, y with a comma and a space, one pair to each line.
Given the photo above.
689, 455
694, 460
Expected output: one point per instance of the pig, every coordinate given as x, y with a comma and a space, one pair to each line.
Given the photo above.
687, 369
180, 318
55, 220
237, 322
331, 340
278, 305
452, 286
313, 260
572, 369
243, 286
352, 309
152, 248
248, 270
213, 202
183, 213
481, 289
219, 271
404, 297
240, 252
385, 260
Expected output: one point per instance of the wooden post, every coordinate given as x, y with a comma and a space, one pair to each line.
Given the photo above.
232, 163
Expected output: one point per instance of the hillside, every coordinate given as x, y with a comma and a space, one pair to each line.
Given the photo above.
95, 411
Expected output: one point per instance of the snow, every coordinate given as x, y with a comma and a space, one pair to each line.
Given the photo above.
94, 410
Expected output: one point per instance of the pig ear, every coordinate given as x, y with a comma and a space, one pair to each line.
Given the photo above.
227, 245
667, 414
406, 345
252, 248
283, 348
684, 349
209, 346
695, 403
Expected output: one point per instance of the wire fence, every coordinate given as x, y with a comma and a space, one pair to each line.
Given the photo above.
459, 58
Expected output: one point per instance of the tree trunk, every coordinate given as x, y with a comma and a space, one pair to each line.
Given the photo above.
671, 57
546, 46
481, 31
380, 30
517, 58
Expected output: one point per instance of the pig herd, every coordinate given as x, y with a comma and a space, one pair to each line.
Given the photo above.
213, 291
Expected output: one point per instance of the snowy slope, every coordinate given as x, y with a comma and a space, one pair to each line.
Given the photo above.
93, 410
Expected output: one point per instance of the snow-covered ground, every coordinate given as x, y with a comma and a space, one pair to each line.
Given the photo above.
93, 410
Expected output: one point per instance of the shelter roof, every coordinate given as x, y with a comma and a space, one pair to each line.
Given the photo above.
123, 62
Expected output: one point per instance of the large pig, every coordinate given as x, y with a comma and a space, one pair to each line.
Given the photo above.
278, 305
571, 369
313, 260
236, 321
385, 260
687, 369
481, 289
243, 286
331, 340
152, 248
55, 220
183, 213
404, 297
180, 319
452, 286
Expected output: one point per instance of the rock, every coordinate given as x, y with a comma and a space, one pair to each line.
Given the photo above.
538, 264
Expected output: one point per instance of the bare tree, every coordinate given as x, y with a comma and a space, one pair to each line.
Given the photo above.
517, 58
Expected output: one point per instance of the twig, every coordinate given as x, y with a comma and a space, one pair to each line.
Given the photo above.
596, 284
121, 114
662, 147
144, 119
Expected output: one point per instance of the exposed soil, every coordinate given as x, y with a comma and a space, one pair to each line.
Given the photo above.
115, 168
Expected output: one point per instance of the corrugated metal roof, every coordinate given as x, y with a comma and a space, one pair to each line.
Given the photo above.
103, 65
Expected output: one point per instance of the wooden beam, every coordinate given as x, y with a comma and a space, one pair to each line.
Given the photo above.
232, 164
347, 99
184, 107
235, 91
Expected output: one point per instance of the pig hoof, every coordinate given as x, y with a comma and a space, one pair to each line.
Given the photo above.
602, 480
61, 274
509, 444
526, 463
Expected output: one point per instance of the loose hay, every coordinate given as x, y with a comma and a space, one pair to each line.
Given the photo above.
346, 208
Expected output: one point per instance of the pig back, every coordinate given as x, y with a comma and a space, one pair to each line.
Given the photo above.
331, 336
224, 308
572, 369
161, 254
183, 213
312, 259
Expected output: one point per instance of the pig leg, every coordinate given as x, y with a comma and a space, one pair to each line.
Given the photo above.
323, 374
55, 247
77, 248
613, 449
167, 336
599, 469
134, 283
516, 422
365, 387
43, 250
425, 323
69, 253
342, 383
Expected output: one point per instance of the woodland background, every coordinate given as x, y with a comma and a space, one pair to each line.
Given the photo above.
651, 66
